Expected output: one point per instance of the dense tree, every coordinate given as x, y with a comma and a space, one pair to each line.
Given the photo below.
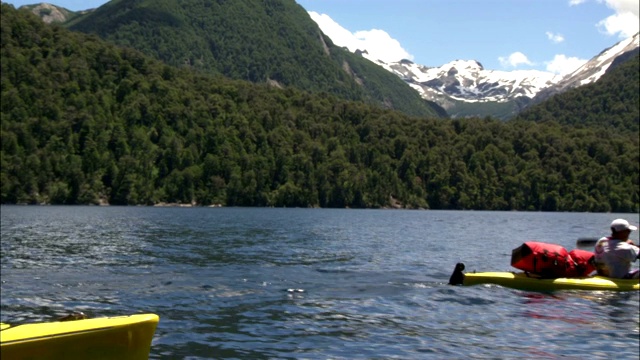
273, 42
85, 122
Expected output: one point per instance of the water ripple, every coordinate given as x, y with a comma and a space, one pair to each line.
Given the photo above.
307, 283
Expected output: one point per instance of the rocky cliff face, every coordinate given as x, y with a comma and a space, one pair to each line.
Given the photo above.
51, 13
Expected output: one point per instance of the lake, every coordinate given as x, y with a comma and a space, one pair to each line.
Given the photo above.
256, 283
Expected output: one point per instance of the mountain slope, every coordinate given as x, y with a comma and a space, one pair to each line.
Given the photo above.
87, 122
593, 69
272, 41
611, 103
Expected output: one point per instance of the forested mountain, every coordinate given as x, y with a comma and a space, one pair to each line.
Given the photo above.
262, 41
86, 122
612, 103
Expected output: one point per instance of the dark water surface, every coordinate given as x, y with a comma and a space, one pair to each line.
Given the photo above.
310, 283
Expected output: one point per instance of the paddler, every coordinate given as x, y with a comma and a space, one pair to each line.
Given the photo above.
614, 254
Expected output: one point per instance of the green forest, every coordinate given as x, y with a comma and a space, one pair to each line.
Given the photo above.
261, 41
612, 103
84, 121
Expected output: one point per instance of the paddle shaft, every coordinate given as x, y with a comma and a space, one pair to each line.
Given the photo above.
584, 242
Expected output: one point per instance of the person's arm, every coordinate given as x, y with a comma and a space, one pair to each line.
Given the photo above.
636, 250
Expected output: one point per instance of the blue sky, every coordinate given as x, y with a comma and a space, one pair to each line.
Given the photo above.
548, 35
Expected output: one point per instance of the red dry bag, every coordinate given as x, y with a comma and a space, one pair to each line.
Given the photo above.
583, 263
544, 259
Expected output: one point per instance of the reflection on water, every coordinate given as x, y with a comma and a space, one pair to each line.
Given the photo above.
309, 283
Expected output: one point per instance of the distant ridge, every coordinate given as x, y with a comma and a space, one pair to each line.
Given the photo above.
464, 88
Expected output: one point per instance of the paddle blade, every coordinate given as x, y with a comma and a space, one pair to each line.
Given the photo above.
587, 241
457, 277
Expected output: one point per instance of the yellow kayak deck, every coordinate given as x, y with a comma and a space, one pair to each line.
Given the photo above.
523, 281
122, 337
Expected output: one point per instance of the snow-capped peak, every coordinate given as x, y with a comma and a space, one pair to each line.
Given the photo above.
467, 81
596, 67
470, 65
593, 69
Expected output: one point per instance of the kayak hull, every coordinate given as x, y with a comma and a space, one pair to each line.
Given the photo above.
123, 337
524, 281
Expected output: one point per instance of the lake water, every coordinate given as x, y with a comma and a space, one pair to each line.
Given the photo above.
249, 283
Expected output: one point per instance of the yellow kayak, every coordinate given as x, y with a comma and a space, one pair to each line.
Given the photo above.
523, 281
122, 337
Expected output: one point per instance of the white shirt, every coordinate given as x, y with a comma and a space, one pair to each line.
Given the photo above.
614, 257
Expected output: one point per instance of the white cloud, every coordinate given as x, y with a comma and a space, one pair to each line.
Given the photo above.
556, 38
625, 20
621, 6
378, 43
339, 35
563, 65
625, 24
514, 60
